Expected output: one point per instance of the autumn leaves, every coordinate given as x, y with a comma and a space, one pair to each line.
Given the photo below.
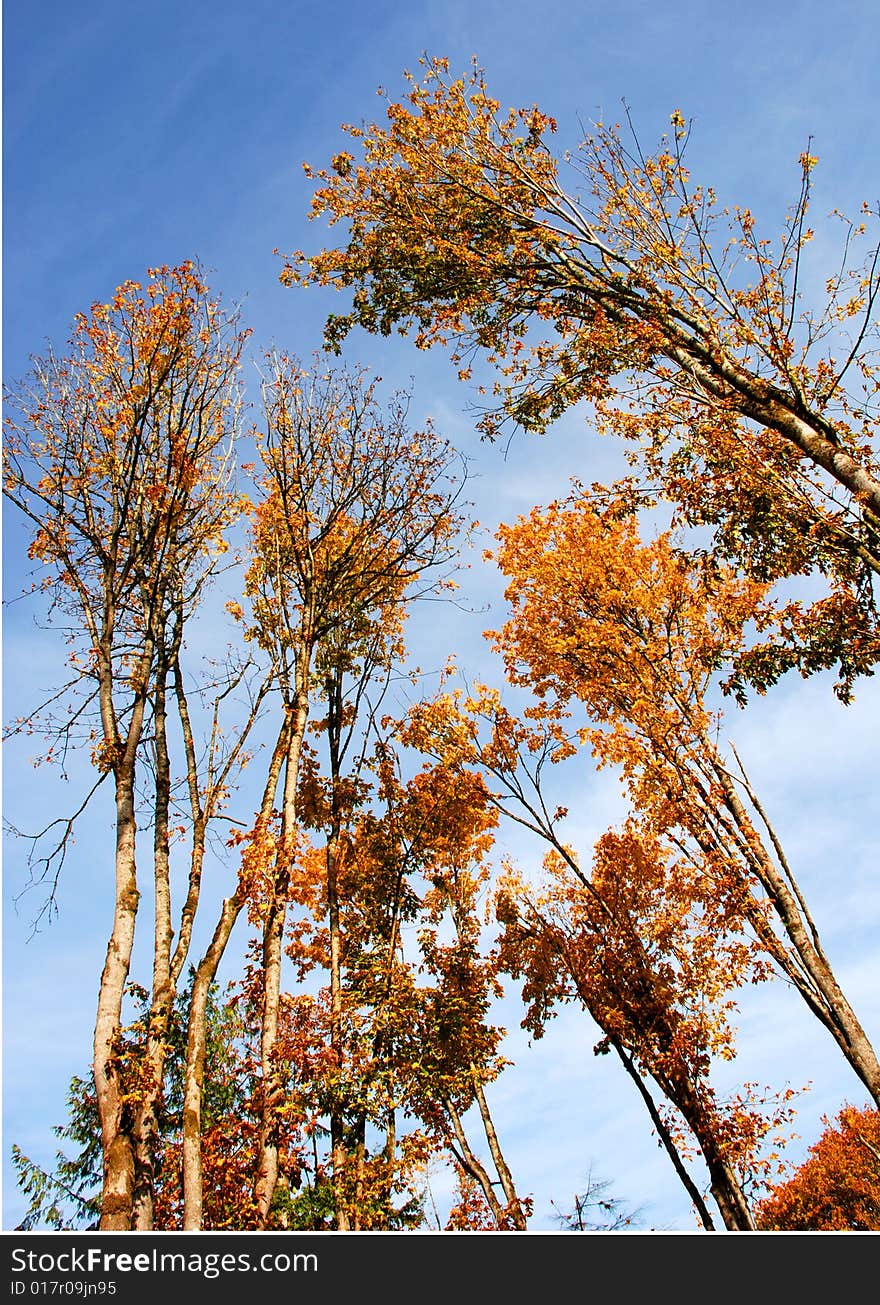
750, 422
259, 1107
355, 1046
636, 293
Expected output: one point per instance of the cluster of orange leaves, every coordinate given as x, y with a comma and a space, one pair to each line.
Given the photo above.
837, 1188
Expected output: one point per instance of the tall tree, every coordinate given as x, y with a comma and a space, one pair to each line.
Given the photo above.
632, 635
356, 511
119, 456
447, 1049
681, 325
397, 1034
642, 941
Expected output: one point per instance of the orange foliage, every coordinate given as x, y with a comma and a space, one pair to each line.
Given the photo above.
837, 1189
634, 635
119, 451
735, 402
469, 1212
354, 507
639, 946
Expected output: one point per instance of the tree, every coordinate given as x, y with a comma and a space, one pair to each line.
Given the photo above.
655, 940
355, 512
633, 634
69, 1196
750, 413
595, 1210
837, 1188
550, 940
447, 1050
118, 455
395, 1035
634, 943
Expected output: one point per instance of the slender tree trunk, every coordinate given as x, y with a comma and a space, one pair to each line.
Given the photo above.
338, 1147
206, 972
730, 1198
145, 1128
514, 1206
196, 1047
273, 946
515, 1211
340, 1160
390, 1161
665, 1136
791, 909
726, 1188
199, 816
360, 1158
117, 1191
472, 1165
118, 1184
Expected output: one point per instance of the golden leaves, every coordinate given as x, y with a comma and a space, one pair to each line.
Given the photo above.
460, 232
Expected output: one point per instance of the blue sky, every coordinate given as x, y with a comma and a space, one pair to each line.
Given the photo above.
136, 135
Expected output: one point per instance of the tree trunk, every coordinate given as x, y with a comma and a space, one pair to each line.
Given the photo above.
206, 972
664, 1135
117, 1192
514, 1207
118, 1158
145, 1127
338, 1147
472, 1166
273, 940
726, 1188
840, 1018
338, 1141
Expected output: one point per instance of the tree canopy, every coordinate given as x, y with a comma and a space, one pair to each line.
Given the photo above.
747, 404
